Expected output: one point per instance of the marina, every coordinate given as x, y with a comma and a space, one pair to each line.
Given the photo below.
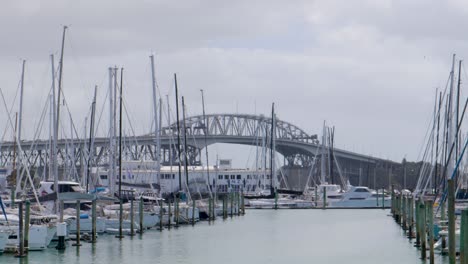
233, 132
266, 235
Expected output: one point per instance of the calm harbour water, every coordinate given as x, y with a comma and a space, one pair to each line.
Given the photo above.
261, 236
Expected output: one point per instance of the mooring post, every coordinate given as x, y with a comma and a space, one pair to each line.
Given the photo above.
12, 197
94, 230
140, 212
193, 212
324, 197
392, 207
404, 212
383, 199
20, 253
411, 217
224, 207
443, 218
132, 216
61, 230
418, 224
231, 203
26, 224
430, 218
176, 208
169, 215
316, 196
464, 237
451, 218
243, 203
238, 203
209, 209
78, 216
161, 214
422, 214
276, 200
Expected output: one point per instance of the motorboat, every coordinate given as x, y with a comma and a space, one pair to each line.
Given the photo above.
361, 197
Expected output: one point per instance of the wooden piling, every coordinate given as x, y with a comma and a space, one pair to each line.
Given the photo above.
209, 209
383, 198
403, 212
392, 207
93, 231
231, 200
224, 208
464, 237
176, 211
276, 200
161, 214
243, 203
193, 212
410, 217
78, 228
418, 224
238, 204
20, 253
26, 224
430, 220
316, 196
140, 212
169, 215
422, 226
324, 197
442, 219
451, 218
132, 217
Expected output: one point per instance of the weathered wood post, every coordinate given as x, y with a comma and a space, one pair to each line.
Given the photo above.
141, 214
176, 208
132, 216
78, 227
418, 224
231, 199
324, 197
403, 211
430, 218
464, 237
411, 217
161, 214
169, 215
443, 219
422, 223
20, 253
451, 218
193, 212
93, 230
26, 224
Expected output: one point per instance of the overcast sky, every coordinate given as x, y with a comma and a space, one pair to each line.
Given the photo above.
370, 68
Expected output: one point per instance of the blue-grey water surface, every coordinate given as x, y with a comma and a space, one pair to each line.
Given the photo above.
261, 236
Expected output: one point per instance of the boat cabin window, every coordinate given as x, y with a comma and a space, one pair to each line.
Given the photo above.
361, 190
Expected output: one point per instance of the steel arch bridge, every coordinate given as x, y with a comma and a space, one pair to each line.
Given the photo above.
297, 146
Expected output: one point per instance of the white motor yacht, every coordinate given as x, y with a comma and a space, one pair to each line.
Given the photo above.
361, 197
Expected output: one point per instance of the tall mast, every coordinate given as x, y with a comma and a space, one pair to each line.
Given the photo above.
156, 122
178, 130
120, 156
111, 133
59, 93
91, 135
457, 112
272, 149
170, 138
185, 146
18, 168
322, 160
114, 126
451, 118
205, 132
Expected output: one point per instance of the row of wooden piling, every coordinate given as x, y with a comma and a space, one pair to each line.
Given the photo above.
235, 200
416, 217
